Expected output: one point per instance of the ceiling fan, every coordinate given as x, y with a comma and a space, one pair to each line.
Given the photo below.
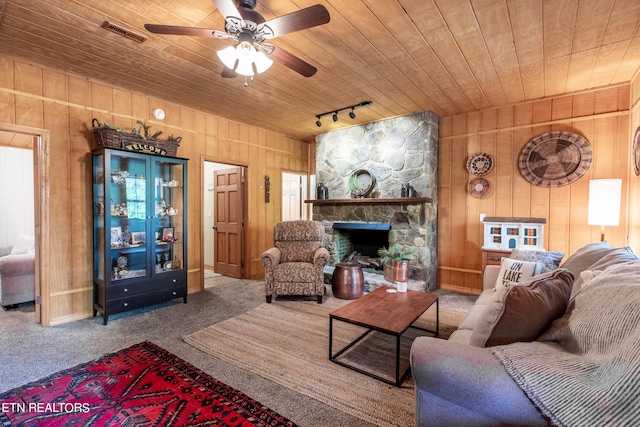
250, 31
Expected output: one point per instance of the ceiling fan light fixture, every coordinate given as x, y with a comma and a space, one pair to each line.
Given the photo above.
228, 56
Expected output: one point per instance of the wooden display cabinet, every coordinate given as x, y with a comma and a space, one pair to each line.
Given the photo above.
139, 230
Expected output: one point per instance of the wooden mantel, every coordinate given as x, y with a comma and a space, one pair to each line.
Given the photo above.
370, 201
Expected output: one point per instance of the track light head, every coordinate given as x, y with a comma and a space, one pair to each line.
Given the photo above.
352, 114
335, 116
318, 122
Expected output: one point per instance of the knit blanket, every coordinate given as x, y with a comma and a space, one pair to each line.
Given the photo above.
585, 370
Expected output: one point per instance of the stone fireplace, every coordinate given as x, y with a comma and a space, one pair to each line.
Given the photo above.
402, 150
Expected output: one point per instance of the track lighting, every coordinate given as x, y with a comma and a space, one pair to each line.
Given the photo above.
334, 114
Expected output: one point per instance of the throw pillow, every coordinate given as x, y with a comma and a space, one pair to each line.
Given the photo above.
512, 270
522, 312
583, 258
547, 260
23, 244
611, 257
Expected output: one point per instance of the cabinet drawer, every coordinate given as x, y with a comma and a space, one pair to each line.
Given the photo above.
137, 286
493, 257
132, 302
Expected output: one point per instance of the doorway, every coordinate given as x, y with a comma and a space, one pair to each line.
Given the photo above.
36, 224
294, 189
223, 224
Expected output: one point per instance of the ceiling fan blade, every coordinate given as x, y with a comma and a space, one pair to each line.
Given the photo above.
228, 73
183, 31
299, 20
293, 62
227, 8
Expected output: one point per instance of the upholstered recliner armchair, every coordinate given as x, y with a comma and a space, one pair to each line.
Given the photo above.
294, 266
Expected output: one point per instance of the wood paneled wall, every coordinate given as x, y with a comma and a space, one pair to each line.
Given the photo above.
64, 105
601, 116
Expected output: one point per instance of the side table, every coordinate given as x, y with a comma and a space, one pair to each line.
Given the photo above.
347, 281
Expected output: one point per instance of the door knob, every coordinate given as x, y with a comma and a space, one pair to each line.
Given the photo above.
214, 227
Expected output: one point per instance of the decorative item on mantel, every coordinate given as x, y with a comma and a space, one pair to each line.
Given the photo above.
322, 192
407, 190
361, 183
138, 140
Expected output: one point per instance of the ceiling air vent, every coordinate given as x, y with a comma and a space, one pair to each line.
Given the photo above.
123, 32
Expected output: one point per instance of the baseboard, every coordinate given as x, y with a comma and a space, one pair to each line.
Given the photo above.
461, 289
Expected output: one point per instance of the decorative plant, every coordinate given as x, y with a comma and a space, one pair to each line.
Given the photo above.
354, 183
396, 253
143, 130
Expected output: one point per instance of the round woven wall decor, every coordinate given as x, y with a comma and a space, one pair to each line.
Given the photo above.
555, 159
480, 164
636, 152
478, 187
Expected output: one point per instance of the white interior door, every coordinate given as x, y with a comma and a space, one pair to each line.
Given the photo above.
293, 191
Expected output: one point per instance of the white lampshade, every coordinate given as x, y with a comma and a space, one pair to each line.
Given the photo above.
228, 56
604, 202
245, 67
262, 62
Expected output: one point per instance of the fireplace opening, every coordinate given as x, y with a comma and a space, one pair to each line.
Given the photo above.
361, 239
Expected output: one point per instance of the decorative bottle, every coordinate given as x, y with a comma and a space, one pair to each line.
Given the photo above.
322, 192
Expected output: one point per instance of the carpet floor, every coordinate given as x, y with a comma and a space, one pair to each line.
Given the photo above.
287, 342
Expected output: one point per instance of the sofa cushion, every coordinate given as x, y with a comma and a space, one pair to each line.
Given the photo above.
23, 244
548, 260
522, 312
515, 271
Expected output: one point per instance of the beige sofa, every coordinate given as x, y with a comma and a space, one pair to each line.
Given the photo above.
574, 364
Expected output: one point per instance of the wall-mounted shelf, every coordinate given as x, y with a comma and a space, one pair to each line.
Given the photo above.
370, 201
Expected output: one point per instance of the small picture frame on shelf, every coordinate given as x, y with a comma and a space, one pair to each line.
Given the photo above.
138, 238
116, 235
167, 234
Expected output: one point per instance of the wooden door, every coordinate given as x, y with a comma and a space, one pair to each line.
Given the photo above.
228, 222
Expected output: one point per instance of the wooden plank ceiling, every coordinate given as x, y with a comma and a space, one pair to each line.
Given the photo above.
448, 56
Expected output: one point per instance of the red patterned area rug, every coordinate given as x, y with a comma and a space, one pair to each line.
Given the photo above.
141, 385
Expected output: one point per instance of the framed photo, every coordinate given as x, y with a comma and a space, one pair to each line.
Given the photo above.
167, 234
138, 238
116, 234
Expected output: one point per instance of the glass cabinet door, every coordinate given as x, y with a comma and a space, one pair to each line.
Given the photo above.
128, 206
99, 237
168, 226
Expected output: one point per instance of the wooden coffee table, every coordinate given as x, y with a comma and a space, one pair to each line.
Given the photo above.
389, 313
